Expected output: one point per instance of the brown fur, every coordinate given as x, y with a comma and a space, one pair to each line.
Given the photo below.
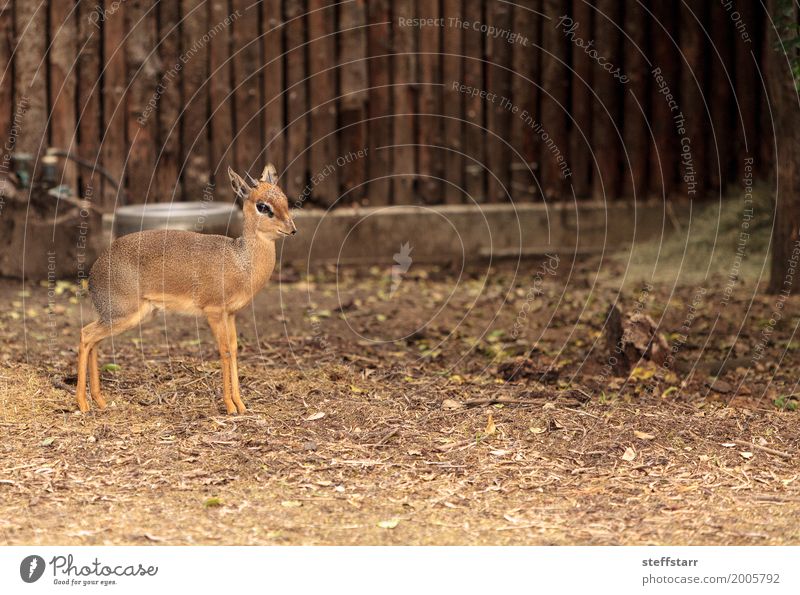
189, 273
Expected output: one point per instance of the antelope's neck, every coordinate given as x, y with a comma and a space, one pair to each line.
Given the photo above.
258, 255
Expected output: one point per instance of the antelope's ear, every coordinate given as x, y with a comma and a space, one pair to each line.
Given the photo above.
240, 188
270, 174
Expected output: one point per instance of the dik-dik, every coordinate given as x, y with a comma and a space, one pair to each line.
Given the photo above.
189, 273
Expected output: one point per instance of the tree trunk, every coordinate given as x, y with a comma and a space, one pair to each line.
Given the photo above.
786, 112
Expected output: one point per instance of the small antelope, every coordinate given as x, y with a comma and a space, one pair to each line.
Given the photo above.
189, 273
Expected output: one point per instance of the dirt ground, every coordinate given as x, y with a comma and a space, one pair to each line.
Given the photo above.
372, 417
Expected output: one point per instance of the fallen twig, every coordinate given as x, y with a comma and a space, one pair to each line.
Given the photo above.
59, 383
511, 401
503, 400
772, 451
387, 436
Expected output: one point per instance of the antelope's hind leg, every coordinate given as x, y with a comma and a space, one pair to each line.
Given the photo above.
91, 335
94, 379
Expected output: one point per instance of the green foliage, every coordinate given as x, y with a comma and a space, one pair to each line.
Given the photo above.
213, 502
786, 403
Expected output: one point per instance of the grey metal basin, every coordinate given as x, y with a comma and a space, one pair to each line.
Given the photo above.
202, 217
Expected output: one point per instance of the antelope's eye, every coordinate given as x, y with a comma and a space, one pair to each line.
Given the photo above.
265, 209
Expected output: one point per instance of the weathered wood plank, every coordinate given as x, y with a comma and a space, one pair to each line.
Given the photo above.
168, 173
221, 95
113, 143
607, 108
403, 67
498, 82
195, 90
89, 102
580, 150
747, 84
143, 76
429, 131
30, 76
665, 72
63, 77
636, 50
525, 97
324, 188
246, 64
694, 178
473, 134
555, 94
274, 134
296, 101
6, 85
452, 101
379, 127
722, 143
353, 90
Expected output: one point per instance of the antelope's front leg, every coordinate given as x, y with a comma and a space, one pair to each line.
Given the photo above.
217, 322
233, 344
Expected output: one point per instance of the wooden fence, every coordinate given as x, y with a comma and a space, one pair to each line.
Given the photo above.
357, 102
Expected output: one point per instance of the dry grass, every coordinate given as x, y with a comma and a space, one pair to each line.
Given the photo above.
388, 462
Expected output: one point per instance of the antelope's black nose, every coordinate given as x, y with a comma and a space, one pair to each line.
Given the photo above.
294, 232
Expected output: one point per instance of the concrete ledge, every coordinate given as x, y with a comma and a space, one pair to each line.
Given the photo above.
467, 233
464, 233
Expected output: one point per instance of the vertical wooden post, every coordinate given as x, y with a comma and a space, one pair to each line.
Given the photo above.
720, 88
665, 67
322, 102
452, 102
274, 85
746, 79
63, 77
555, 95
30, 78
89, 98
498, 82
352, 87
693, 71
6, 84
143, 77
246, 63
403, 122
636, 51
194, 119
296, 100
379, 127
429, 131
474, 135
113, 143
525, 95
581, 153
221, 94
168, 174
606, 115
